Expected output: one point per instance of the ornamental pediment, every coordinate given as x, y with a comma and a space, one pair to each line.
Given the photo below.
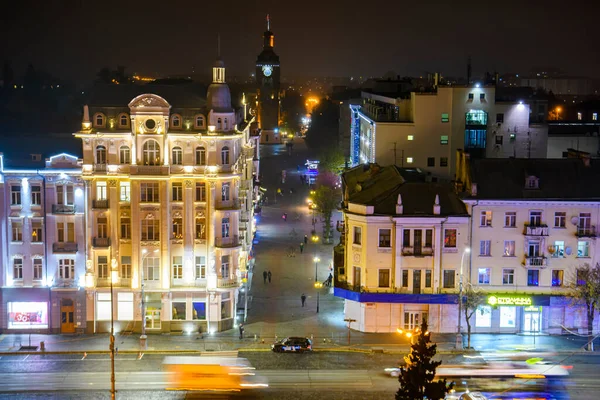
149, 100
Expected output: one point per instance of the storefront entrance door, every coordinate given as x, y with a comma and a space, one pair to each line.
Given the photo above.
152, 319
67, 312
532, 321
413, 319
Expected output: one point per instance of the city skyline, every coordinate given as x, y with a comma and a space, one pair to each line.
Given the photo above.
333, 39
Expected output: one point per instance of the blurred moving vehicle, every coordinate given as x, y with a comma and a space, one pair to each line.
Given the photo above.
292, 345
232, 374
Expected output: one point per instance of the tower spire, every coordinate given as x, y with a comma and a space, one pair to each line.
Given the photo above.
268, 22
218, 45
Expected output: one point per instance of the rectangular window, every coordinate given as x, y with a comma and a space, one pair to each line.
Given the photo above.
445, 117
178, 309
471, 96
499, 118
151, 268
200, 267
17, 231
485, 218
499, 139
404, 278
60, 232
485, 247
125, 228
406, 238
444, 139
557, 277
481, 96
357, 236
450, 238
508, 316
594, 116
509, 248
449, 275
581, 277
431, 161
177, 191
201, 228
150, 229
484, 275
102, 226
483, 317
225, 227
36, 195
177, 231
427, 278
533, 277
103, 307
125, 306
17, 268
535, 218
558, 250
510, 219
38, 269
583, 248
101, 191
149, 192
410, 137
102, 267
15, 195
429, 238
200, 191
443, 161
66, 268
225, 308
560, 219
508, 276
225, 192
126, 267
37, 231
579, 116
64, 194
224, 267
385, 237
125, 192
177, 267
384, 278
198, 310
409, 160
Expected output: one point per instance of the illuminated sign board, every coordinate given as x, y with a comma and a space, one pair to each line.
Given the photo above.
509, 301
27, 315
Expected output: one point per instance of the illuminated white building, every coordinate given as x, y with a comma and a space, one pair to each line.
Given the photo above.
169, 193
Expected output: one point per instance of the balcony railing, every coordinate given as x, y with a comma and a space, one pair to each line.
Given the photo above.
101, 242
588, 231
120, 282
244, 216
536, 261
149, 170
65, 283
235, 204
417, 252
227, 283
232, 241
63, 209
535, 230
100, 204
64, 247
100, 167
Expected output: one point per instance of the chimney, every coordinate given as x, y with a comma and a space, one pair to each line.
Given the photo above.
474, 189
399, 206
86, 124
436, 206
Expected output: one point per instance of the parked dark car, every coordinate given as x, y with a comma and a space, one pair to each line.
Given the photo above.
292, 345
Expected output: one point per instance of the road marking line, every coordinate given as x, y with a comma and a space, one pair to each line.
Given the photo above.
27, 356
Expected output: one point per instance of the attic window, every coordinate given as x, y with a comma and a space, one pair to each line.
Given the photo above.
533, 182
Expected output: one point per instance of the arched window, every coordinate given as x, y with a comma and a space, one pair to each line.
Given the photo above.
99, 120
199, 121
176, 156
151, 153
225, 155
219, 124
123, 121
200, 155
100, 155
124, 155
176, 121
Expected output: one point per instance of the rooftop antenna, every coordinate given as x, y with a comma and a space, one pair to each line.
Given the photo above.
268, 23
218, 45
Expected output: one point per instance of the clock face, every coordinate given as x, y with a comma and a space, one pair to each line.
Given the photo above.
267, 70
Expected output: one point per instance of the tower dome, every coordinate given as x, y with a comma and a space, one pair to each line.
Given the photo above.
218, 96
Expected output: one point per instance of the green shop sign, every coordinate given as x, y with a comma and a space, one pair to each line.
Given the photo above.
509, 300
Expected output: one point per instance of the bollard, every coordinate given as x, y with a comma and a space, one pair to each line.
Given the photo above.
42, 346
255, 337
311, 338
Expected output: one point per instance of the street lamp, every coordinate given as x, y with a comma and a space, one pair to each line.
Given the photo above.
316, 260
114, 275
459, 339
318, 286
143, 337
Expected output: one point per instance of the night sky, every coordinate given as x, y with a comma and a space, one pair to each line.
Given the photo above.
73, 39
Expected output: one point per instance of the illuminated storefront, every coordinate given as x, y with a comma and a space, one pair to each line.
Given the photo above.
27, 315
512, 313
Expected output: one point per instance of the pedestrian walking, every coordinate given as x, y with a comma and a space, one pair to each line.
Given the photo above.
269, 275
329, 279
301, 247
241, 331
303, 299
305, 239
264, 276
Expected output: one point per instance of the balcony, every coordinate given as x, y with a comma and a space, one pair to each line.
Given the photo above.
535, 230
227, 283
149, 170
64, 247
120, 282
588, 231
65, 283
63, 209
232, 241
229, 205
101, 242
244, 216
100, 204
100, 168
536, 261
417, 251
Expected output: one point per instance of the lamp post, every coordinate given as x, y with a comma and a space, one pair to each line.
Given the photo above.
316, 260
143, 337
318, 286
113, 278
459, 338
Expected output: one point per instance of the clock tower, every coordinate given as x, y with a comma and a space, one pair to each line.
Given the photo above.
267, 83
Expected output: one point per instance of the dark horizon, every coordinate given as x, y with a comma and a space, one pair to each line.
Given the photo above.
75, 40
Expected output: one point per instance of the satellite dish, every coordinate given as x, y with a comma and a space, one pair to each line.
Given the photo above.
568, 251
574, 220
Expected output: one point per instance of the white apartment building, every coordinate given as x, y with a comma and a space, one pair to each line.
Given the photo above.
425, 129
169, 194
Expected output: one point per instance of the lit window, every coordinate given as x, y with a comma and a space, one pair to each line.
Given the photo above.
483, 317
557, 277
485, 218
444, 139
178, 274
579, 116
594, 116
445, 117
409, 160
508, 316
533, 277
509, 248
177, 191
583, 249
15, 195
411, 137
176, 121
508, 276
177, 156
510, 219
484, 276
124, 155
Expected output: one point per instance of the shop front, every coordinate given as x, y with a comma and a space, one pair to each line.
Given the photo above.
67, 310
513, 314
26, 310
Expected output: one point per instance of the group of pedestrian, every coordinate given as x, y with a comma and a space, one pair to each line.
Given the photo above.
267, 275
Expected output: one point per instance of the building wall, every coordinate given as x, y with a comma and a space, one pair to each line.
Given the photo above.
558, 145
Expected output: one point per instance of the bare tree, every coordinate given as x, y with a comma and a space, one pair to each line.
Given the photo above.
472, 301
584, 289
